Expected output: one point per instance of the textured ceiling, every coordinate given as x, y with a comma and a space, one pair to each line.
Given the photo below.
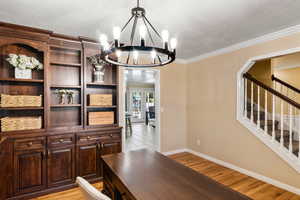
200, 26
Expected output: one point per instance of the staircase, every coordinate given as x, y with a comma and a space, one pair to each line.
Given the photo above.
273, 115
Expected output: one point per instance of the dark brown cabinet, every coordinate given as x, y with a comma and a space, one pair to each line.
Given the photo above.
61, 166
48, 159
87, 160
29, 171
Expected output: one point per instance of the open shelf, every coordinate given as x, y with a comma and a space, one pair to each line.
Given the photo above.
66, 86
102, 84
65, 105
66, 64
21, 80
21, 108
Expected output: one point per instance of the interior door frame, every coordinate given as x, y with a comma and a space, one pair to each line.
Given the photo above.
157, 104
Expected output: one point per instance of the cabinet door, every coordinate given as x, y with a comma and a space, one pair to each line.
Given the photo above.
61, 166
108, 147
5, 169
87, 158
29, 171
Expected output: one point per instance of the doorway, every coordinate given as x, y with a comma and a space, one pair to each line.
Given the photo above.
142, 124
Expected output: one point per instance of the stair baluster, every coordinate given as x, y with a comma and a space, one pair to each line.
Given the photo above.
273, 116
258, 107
291, 129
252, 118
299, 135
281, 124
266, 112
246, 100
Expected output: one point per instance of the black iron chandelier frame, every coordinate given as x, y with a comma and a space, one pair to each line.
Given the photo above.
138, 13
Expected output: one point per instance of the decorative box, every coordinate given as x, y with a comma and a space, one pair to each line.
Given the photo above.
100, 99
101, 118
20, 123
20, 101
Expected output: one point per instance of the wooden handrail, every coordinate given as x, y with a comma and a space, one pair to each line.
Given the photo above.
271, 90
285, 84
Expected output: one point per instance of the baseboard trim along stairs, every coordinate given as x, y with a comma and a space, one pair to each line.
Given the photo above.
239, 169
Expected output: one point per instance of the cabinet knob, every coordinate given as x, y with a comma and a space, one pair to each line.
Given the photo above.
61, 140
111, 135
30, 144
88, 137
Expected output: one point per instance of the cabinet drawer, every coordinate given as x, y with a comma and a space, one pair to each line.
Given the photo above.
110, 136
90, 138
60, 140
30, 143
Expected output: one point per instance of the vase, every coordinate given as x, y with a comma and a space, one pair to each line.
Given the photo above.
70, 99
62, 99
23, 73
98, 74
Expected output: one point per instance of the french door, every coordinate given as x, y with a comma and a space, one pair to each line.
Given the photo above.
138, 102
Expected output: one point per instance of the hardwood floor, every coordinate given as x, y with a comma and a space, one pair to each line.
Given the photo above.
251, 187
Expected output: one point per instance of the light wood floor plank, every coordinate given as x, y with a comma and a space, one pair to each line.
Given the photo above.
244, 184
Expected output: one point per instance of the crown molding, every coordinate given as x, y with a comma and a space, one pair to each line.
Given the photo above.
265, 38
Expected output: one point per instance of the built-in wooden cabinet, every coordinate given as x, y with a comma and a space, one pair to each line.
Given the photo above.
29, 171
49, 159
61, 166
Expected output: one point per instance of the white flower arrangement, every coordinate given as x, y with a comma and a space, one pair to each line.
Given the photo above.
24, 62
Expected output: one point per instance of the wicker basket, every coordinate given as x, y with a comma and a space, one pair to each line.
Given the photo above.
20, 123
20, 101
101, 118
100, 99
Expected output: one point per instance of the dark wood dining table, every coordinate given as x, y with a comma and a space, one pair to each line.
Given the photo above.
149, 175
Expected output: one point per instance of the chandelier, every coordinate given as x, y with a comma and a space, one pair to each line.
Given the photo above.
156, 51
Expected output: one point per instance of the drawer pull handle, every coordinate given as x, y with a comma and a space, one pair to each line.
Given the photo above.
111, 135
88, 137
30, 144
61, 140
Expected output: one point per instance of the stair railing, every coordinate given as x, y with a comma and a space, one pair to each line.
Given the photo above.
285, 88
255, 88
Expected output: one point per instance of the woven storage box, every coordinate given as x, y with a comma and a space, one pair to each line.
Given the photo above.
101, 118
100, 99
20, 101
20, 123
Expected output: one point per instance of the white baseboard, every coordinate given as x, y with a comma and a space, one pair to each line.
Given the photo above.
175, 152
241, 170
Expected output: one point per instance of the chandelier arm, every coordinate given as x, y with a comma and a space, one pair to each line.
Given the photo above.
132, 35
127, 23
152, 27
150, 35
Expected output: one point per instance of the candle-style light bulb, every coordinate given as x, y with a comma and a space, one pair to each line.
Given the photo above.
106, 46
165, 38
103, 39
135, 56
143, 32
165, 35
117, 33
118, 53
153, 55
173, 43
